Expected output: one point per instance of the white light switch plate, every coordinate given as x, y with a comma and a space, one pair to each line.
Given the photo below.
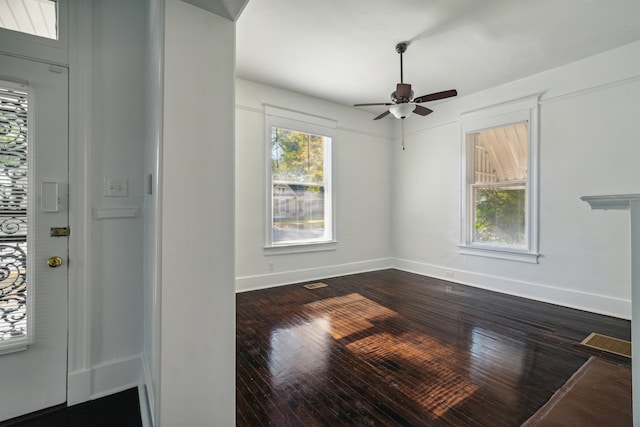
116, 187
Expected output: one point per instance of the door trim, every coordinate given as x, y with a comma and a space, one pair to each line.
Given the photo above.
80, 242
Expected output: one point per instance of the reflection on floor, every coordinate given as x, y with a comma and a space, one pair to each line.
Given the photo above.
393, 348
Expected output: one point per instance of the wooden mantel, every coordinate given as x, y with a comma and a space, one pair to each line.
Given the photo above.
629, 202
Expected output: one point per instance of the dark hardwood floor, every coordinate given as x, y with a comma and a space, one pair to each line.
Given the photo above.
393, 348
117, 410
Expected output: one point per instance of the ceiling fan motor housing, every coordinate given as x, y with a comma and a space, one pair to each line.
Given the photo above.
403, 93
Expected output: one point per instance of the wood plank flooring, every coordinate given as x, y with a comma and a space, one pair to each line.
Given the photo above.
391, 348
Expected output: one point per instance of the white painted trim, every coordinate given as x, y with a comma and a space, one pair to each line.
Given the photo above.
531, 258
629, 202
263, 281
497, 115
543, 100
151, 362
11, 347
297, 248
365, 133
310, 120
314, 125
115, 376
589, 90
29, 46
80, 89
147, 412
105, 379
634, 214
78, 387
621, 201
595, 303
338, 127
111, 213
494, 112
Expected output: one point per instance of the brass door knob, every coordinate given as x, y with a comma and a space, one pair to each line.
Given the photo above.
54, 261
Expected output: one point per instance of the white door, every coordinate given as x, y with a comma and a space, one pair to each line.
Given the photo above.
33, 200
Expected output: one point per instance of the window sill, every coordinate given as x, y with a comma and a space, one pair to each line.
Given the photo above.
528, 257
296, 248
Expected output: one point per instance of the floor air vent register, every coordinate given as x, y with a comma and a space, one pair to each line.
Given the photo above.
609, 344
316, 285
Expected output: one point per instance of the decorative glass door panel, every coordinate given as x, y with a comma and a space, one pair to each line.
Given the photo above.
15, 292
34, 156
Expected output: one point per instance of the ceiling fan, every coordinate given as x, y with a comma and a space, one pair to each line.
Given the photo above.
403, 103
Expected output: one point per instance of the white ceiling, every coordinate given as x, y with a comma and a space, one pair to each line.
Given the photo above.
344, 50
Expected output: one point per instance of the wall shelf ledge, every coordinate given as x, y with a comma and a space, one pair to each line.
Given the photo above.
619, 201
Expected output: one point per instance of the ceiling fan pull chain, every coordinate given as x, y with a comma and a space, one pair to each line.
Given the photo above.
402, 123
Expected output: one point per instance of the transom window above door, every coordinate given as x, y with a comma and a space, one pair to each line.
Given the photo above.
35, 17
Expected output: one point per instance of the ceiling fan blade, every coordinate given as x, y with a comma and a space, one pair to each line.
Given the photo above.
386, 113
423, 111
437, 95
375, 103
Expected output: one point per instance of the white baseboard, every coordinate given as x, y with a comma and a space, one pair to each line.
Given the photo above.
601, 304
104, 379
78, 387
116, 376
263, 281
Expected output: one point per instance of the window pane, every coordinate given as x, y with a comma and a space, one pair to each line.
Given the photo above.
499, 216
499, 180
37, 17
298, 184
13, 214
501, 154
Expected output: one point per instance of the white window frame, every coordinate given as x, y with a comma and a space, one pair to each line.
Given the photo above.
315, 125
517, 111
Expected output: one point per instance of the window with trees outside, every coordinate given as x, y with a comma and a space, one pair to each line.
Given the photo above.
299, 161
499, 198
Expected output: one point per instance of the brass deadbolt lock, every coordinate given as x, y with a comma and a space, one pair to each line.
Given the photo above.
54, 261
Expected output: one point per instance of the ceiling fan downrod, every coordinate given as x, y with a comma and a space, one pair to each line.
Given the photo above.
401, 48
403, 92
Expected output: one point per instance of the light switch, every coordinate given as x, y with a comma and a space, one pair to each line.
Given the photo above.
116, 187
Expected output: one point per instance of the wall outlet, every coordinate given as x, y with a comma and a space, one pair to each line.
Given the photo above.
270, 266
116, 187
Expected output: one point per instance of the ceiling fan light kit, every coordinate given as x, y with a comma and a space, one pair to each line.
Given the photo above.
402, 111
403, 103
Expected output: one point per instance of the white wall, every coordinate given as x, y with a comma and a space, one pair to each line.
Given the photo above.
362, 182
117, 149
589, 145
106, 68
197, 318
